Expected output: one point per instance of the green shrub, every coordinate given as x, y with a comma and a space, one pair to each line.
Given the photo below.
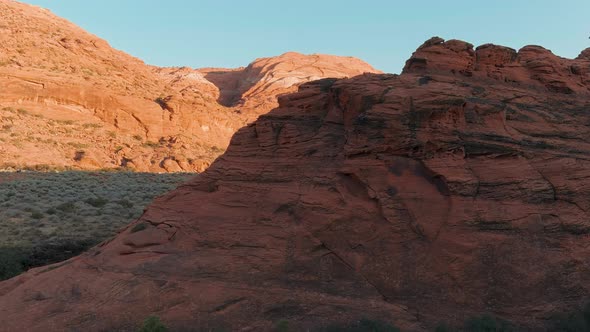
125, 203
67, 207
97, 201
37, 215
282, 326
487, 323
153, 324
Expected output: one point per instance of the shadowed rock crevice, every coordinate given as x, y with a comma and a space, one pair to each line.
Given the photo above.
231, 85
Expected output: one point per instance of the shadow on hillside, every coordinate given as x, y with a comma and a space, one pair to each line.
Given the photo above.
16, 260
232, 84
229, 85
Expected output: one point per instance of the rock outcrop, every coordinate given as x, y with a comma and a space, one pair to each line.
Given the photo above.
76, 93
256, 87
456, 188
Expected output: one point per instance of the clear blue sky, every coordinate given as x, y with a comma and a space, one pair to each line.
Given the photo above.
224, 33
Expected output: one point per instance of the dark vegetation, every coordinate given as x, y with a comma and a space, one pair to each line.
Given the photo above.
578, 320
575, 321
153, 324
48, 217
15, 260
363, 325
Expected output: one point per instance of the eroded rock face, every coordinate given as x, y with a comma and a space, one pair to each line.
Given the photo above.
76, 93
254, 89
426, 197
532, 65
81, 94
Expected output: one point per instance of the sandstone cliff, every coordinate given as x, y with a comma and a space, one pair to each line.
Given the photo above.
70, 100
456, 188
256, 87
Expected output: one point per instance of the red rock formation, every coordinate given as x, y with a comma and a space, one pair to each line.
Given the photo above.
256, 87
456, 188
122, 111
79, 93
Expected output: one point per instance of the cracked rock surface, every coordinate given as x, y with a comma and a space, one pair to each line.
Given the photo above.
456, 188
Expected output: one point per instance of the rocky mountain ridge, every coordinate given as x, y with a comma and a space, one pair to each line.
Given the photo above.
456, 188
69, 100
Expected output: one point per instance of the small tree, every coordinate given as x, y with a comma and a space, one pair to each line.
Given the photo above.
153, 324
